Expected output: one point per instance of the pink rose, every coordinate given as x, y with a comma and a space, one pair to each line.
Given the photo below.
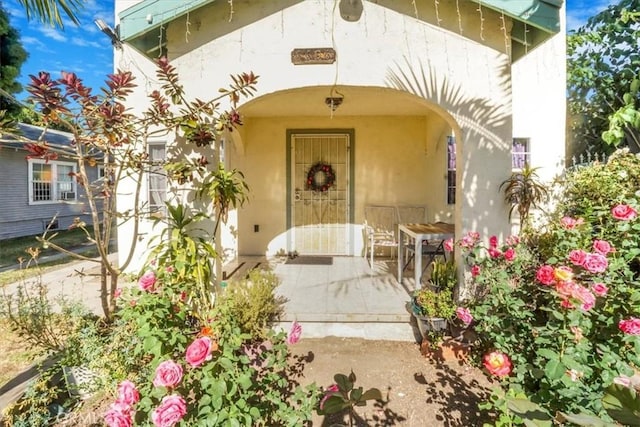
465, 315
199, 351
148, 281
571, 223
595, 263
294, 333
168, 374
171, 410
470, 239
475, 270
118, 415
493, 241
127, 393
494, 253
448, 245
510, 254
599, 289
513, 240
117, 293
602, 247
624, 212
630, 326
577, 256
497, 363
330, 391
584, 295
545, 275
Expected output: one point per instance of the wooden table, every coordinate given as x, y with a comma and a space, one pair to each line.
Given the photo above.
439, 231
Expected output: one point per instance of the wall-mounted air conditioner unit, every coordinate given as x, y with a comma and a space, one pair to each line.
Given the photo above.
68, 195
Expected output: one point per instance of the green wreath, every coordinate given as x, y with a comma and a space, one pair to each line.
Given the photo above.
320, 177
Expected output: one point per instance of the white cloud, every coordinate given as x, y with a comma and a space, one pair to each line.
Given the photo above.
78, 41
32, 41
52, 33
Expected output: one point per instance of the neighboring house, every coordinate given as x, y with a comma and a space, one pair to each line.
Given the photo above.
36, 193
409, 102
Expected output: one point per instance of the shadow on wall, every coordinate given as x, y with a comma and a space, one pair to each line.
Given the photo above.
479, 118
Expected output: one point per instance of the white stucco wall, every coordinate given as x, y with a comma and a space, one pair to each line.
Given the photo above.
461, 74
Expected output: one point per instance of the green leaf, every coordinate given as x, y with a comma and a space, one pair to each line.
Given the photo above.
622, 404
372, 394
554, 369
532, 414
343, 382
586, 420
548, 354
333, 405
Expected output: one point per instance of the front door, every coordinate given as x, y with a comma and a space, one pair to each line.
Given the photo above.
320, 193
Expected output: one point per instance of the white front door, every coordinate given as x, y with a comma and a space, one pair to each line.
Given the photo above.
320, 193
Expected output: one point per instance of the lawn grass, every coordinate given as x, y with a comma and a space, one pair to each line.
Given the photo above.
17, 355
13, 249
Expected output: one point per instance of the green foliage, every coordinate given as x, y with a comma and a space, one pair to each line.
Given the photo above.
603, 58
12, 56
523, 191
344, 396
50, 11
248, 379
190, 257
554, 304
253, 303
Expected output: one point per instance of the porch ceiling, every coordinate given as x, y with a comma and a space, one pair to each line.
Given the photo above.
357, 101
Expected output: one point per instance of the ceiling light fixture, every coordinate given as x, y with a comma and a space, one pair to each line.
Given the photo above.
333, 102
351, 10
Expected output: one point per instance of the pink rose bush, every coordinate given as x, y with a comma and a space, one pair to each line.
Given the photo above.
545, 305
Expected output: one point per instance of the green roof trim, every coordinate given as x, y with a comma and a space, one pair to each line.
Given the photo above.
541, 14
150, 15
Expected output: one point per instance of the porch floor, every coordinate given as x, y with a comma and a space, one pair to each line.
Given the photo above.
344, 299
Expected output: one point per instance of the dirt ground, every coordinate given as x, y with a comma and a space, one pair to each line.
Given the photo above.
418, 391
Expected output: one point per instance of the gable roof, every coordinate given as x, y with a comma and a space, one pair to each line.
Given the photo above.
141, 25
33, 133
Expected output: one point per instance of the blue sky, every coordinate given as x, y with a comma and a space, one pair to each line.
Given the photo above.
88, 52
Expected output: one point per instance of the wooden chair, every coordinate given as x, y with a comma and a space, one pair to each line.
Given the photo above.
381, 229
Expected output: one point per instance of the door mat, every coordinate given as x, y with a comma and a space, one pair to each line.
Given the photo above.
310, 260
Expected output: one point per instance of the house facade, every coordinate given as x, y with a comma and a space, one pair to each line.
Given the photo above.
402, 102
36, 194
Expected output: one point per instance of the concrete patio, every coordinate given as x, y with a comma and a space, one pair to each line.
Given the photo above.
346, 298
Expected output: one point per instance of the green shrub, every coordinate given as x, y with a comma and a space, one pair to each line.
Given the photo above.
253, 303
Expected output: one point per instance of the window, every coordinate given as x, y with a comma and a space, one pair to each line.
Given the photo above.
157, 179
51, 181
520, 155
451, 170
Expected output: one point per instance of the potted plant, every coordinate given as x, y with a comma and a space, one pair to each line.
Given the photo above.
433, 305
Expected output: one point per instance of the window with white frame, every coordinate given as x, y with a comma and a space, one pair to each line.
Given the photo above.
157, 184
451, 170
52, 181
520, 155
